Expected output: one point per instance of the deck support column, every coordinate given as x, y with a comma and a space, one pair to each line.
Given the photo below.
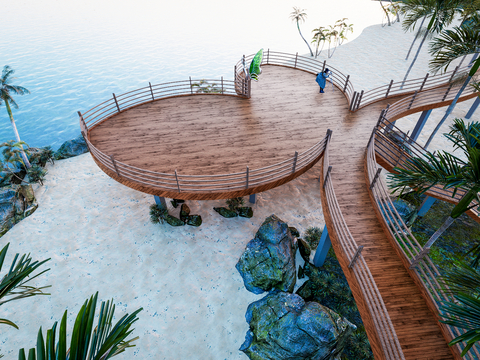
160, 200
473, 108
322, 249
426, 205
253, 198
420, 124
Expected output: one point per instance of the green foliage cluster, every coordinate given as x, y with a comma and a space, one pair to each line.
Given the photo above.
333, 35
157, 213
234, 203
312, 236
204, 87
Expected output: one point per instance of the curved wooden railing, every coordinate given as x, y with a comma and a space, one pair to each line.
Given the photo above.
413, 86
308, 64
381, 320
425, 273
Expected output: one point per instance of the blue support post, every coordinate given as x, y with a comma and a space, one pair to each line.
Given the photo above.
160, 200
322, 250
426, 205
252, 198
473, 108
420, 124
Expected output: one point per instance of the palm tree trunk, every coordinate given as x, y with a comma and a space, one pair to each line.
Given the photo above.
416, 36
17, 136
449, 111
386, 13
414, 59
306, 42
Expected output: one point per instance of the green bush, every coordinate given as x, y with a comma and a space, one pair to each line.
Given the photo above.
42, 156
36, 174
235, 203
312, 236
157, 213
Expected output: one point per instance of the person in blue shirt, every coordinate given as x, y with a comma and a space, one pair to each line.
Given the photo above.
322, 79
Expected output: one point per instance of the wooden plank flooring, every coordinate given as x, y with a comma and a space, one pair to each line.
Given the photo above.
214, 134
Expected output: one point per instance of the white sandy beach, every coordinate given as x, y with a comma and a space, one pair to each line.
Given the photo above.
100, 238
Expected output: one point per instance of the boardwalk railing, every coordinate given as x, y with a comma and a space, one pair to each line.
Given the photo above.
379, 314
424, 272
307, 64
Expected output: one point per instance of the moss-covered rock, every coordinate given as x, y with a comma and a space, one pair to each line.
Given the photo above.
283, 326
193, 220
226, 213
184, 212
173, 221
245, 211
72, 148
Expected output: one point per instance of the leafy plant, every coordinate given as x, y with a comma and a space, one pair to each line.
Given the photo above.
87, 343
204, 87
319, 37
312, 236
235, 203
13, 284
12, 163
36, 174
42, 155
157, 213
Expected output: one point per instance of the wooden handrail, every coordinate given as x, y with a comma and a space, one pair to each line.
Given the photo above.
425, 274
355, 262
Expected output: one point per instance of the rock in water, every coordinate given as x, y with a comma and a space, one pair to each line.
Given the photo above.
245, 211
283, 326
193, 220
226, 213
184, 212
305, 250
173, 221
269, 259
71, 148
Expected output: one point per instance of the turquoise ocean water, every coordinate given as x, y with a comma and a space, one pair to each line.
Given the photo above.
73, 55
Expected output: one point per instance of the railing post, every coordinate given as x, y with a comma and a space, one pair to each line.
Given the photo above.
354, 99
294, 162
423, 83
371, 136
116, 103
222, 84
375, 178
191, 87
413, 99
388, 90
346, 83
453, 74
176, 178
446, 93
359, 100
114, 165
82, 120
327, 176
355, 257
381, 117
296, 57
329, 134
249, 85
246, 187
324, 64
235, 73
268, 55
151, 90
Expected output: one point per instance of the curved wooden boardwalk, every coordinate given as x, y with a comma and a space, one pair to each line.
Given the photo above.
287, 108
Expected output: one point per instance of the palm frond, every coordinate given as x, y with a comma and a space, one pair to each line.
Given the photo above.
462, 278
100, 343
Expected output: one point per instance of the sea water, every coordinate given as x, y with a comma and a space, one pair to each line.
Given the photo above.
72, 55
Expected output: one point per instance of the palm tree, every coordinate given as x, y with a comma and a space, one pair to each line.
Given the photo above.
13, 285
447, 170
100, 343
300, 15
450, 45
440, 12
319, 37
6, 89
464, 313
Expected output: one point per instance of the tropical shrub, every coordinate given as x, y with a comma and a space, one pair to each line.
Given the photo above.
158, 213
312, 236
36, 174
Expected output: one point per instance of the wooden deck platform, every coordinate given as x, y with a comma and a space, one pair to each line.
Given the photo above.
215, 134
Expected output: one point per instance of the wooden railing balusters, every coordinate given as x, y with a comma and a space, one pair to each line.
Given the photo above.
446, 93
222, 84
423, 83
268, 55
294, 161
116, 103
359, 100
324, 64
413, 99
327, 176
296, 57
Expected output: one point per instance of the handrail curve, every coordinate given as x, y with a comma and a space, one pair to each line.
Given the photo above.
339, 230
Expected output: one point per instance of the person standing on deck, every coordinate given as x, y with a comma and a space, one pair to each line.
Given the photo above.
322, 79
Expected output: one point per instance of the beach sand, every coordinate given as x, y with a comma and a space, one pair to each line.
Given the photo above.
99, 238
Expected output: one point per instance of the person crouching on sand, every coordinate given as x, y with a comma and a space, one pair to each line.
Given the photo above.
322, 79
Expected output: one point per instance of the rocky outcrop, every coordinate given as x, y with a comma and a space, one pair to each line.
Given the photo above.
16, 203
71, 148
269, 259
226, 213
283, 326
